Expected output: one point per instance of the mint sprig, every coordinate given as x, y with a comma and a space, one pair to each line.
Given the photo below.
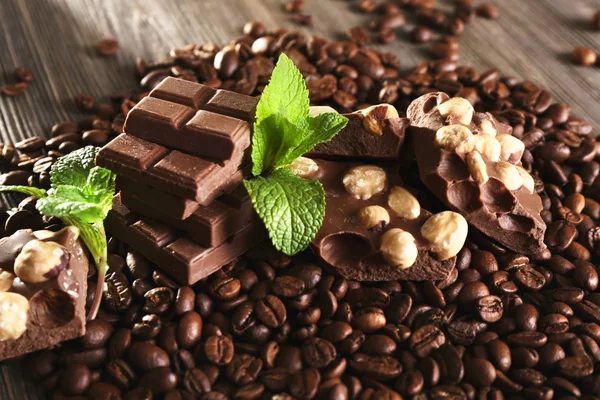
81, 195
291, 208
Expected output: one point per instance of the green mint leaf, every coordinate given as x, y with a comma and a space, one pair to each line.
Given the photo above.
291, 208
55, 206
284, 98
100, 188
73, 169
28, 190
321, 128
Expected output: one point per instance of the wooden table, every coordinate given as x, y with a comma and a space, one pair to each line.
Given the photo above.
55, 38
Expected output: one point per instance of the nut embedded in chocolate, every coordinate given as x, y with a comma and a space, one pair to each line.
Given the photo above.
447, 232
304, 167
40, 261
398, 247
375, 117
365, 181
13, 315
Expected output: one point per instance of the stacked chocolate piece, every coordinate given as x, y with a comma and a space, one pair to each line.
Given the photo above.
180, 166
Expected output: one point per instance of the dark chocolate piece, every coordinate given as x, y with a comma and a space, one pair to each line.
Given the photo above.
174, 252
57, 305
370, 134
209, 225
175, 172
175, 114
171, 206
353, 250
509, 216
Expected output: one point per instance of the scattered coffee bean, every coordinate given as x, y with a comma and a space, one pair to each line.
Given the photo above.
107, 47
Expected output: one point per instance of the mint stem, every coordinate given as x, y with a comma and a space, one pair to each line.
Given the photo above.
102, 268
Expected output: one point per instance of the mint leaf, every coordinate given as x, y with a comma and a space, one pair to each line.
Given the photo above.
54, 206
28, 190
284, 98
73, 169
321, 128
291, 208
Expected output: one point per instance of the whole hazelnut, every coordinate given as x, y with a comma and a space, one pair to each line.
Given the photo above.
375, 115
528, 182
6, 280
509, 175
404, 204
477, 167
454, 138
304, 167
511, 148
373, 217
458, 109
399, 248
487, 146
13, 315
365, 181
447, 232
40, 261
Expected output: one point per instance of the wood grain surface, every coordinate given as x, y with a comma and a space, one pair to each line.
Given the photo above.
55, 39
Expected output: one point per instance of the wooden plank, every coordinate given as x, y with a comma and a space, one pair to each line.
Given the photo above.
55, 39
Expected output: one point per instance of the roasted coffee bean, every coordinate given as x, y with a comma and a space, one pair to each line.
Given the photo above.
196, 382
121, 374
425, 340
490, 308
148, 327
378, 345
158, 300
219, 350
584, 56
479, 372
318, 353
225, 288
575, 367
97, 334
287, 286
146, 356
189, 330
107, 47
243, 369
500, 354
376, 367
159, 380
336, 331
271, 311
368, 319
182, 360
527, 339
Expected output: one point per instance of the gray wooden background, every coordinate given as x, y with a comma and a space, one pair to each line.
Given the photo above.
55, 39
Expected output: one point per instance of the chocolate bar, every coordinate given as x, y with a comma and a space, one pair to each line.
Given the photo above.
175, 172
193, 118
375, 133
367, 208
43, 286
173, 207
209, 225
176, 252
471, 162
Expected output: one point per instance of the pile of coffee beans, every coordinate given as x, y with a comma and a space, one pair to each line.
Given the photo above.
502, 325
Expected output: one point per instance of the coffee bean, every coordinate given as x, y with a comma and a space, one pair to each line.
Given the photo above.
584, 56
196, 382
147, 356
121, 374
425, 340
225, 288
479, 372
368, 319
189, 330
376, 367
271, 311
243, 369
182, 360
107, 47
318, 353
336, 331
75, 379
527, 339
159, 380
97, 334
158, 300
490, 308
219, 350
148, 327
378, 345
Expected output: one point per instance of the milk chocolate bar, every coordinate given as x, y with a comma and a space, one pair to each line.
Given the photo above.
181, 174
375, 133
43, 286
362, 211
193, 118
176, 252
173, 207
471, 162
209, 225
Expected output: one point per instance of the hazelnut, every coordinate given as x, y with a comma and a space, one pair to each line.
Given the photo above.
304, 167
13, 315
447, 232
487, 127
487, 146
375, 115
40, 261
454, 138
404, 203
477, 167
458, 109
318, 110
511, 148
509, 175
399, 248
6, 280
371, 217
43, 234
365, 181
528, 181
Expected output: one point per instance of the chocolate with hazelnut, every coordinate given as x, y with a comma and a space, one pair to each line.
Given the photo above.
43, 286
472, 163
373, 226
